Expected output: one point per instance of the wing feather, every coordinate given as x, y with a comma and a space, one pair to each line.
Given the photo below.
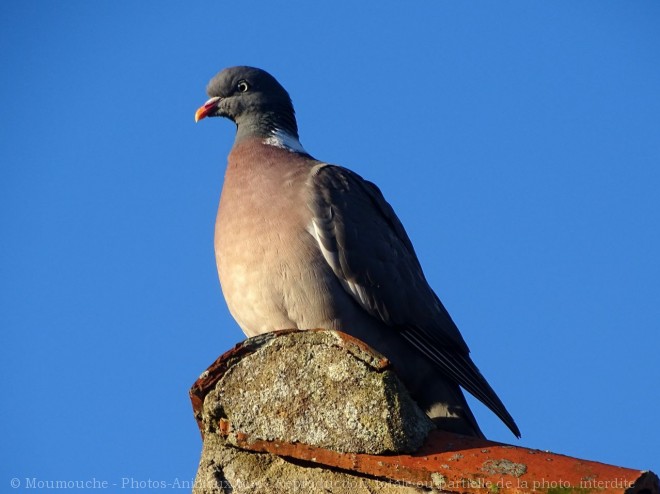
368, 249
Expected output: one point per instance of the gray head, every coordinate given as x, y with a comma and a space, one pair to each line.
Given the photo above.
251, 98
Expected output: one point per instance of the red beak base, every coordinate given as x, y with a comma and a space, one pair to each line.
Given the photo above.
207, 108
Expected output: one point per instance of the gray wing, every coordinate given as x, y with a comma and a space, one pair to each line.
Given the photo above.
369, 251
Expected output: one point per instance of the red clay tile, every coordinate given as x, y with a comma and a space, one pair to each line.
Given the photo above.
461, 464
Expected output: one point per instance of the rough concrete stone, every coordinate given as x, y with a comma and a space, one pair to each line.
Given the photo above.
311, 388
305, 387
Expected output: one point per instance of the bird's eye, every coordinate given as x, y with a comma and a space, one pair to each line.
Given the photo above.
243, 86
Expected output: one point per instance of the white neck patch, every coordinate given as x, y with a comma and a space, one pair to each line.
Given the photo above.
282, 139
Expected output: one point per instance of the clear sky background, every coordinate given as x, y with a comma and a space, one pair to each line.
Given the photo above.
518, 141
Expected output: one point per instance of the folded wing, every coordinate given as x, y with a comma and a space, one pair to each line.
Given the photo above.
369, 251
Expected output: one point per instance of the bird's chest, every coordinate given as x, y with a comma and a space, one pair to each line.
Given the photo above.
272, 273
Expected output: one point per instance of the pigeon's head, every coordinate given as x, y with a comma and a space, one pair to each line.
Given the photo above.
253, 99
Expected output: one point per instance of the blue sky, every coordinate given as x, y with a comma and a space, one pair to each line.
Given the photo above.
518, 141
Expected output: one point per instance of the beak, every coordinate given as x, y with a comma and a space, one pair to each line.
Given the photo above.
207, 108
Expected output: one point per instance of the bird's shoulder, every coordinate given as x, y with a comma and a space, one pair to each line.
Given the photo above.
345, 191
